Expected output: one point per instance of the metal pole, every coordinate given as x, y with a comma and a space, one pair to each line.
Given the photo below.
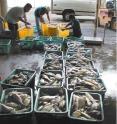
0, 8
96, 20
105, 27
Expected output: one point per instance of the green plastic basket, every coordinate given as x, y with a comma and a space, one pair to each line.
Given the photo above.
5, 46
72, 38
81, 120
26, 44
18, 118
51, 91
56, 40
28, 83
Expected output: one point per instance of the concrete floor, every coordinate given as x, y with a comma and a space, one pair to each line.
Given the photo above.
104, 57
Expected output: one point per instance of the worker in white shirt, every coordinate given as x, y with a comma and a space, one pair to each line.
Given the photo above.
16, 14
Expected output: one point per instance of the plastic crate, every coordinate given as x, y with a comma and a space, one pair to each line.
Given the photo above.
51, 91
77, 63
63, 34
43, 39
86, 54
26, 44
72, 38
56, 39
49, 29
74, 46
52, 30
85, 121
60, 53
49, 62
29, 83
52, 47
19, 117
25, 32
44, 28
55, 72
5, 46
101, 92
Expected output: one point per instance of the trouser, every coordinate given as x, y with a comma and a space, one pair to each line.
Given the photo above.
37, 20
13, 28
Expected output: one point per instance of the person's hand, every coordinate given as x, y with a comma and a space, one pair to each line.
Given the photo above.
43, 22
63, 29
27, 23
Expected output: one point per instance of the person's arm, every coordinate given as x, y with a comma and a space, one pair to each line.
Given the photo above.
67, 26
24, 20
70, 23
1, 18
48, 17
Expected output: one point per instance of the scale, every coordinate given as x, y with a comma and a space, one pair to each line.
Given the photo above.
94, 40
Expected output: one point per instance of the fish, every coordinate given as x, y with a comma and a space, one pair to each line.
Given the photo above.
49, 78
15, 97
51, 103
5, 108
13, 105
53, 55
47, 98
85, 106
53, 64
52, 46
20, 78
15, 102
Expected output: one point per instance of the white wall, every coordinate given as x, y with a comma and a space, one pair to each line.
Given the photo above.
35, 3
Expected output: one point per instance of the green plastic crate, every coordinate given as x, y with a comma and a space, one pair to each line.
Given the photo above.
52, 92
26, 44
72, 38
75, 120
56, 40
28, 83
17, 118
5, 46
42, 39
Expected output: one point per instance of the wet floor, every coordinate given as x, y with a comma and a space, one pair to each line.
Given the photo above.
104, 58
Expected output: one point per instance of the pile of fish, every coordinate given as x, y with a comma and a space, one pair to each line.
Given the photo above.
85, 50
53, 55
82, 72
80, 54
82, 83
78, 63
53, 64
20, 78
51, 78
52, 103
15, 102
74, 46
86, 107
52, 46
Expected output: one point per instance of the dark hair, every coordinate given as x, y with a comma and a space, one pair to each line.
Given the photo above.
71, 17
28, 5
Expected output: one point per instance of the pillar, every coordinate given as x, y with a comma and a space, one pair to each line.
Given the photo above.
3, 7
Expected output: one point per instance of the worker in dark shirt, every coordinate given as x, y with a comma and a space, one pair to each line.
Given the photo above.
75, 26
39, 12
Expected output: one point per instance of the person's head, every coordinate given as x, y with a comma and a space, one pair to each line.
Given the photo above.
27, 7
71, 17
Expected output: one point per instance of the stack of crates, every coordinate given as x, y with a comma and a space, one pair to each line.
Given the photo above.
54, 30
